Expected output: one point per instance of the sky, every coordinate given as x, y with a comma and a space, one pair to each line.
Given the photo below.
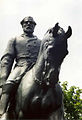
47, 13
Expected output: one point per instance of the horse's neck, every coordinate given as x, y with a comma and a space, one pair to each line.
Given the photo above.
45, 65
46, 70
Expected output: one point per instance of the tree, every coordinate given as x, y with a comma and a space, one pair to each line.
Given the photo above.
72, 102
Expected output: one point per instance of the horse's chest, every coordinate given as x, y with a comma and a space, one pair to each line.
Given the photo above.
44, 101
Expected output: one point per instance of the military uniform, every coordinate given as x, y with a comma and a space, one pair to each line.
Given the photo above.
24, 50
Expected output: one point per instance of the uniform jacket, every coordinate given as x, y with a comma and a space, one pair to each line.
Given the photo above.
23, 50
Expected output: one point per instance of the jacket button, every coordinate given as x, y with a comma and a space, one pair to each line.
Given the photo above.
28, 45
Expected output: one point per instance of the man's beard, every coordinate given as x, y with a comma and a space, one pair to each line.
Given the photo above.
28, 31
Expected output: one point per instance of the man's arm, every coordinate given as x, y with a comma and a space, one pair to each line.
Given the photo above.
7, 61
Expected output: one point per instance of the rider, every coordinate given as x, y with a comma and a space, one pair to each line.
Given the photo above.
23, 50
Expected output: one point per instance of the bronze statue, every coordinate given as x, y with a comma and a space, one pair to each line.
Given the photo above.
39, 95
23, 50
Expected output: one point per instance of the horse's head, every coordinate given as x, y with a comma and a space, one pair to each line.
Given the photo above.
52, 52
54, 44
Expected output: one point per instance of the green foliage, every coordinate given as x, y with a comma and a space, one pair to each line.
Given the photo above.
72, 102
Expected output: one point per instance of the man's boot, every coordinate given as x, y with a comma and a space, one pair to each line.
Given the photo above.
3, 106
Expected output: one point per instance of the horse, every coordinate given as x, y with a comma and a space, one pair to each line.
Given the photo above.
39, 95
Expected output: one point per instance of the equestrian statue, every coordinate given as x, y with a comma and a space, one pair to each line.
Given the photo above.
39, 94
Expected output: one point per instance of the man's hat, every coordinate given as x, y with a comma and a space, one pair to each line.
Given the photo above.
26, 19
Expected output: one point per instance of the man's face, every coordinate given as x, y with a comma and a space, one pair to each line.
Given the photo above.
28, 27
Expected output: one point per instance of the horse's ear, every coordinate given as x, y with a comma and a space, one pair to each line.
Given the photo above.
55, 29
56, 26
69, 32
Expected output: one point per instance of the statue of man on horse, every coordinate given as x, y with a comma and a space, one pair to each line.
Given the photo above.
38, 95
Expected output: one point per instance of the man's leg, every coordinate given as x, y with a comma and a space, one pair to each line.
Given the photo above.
5, 97
4, 103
